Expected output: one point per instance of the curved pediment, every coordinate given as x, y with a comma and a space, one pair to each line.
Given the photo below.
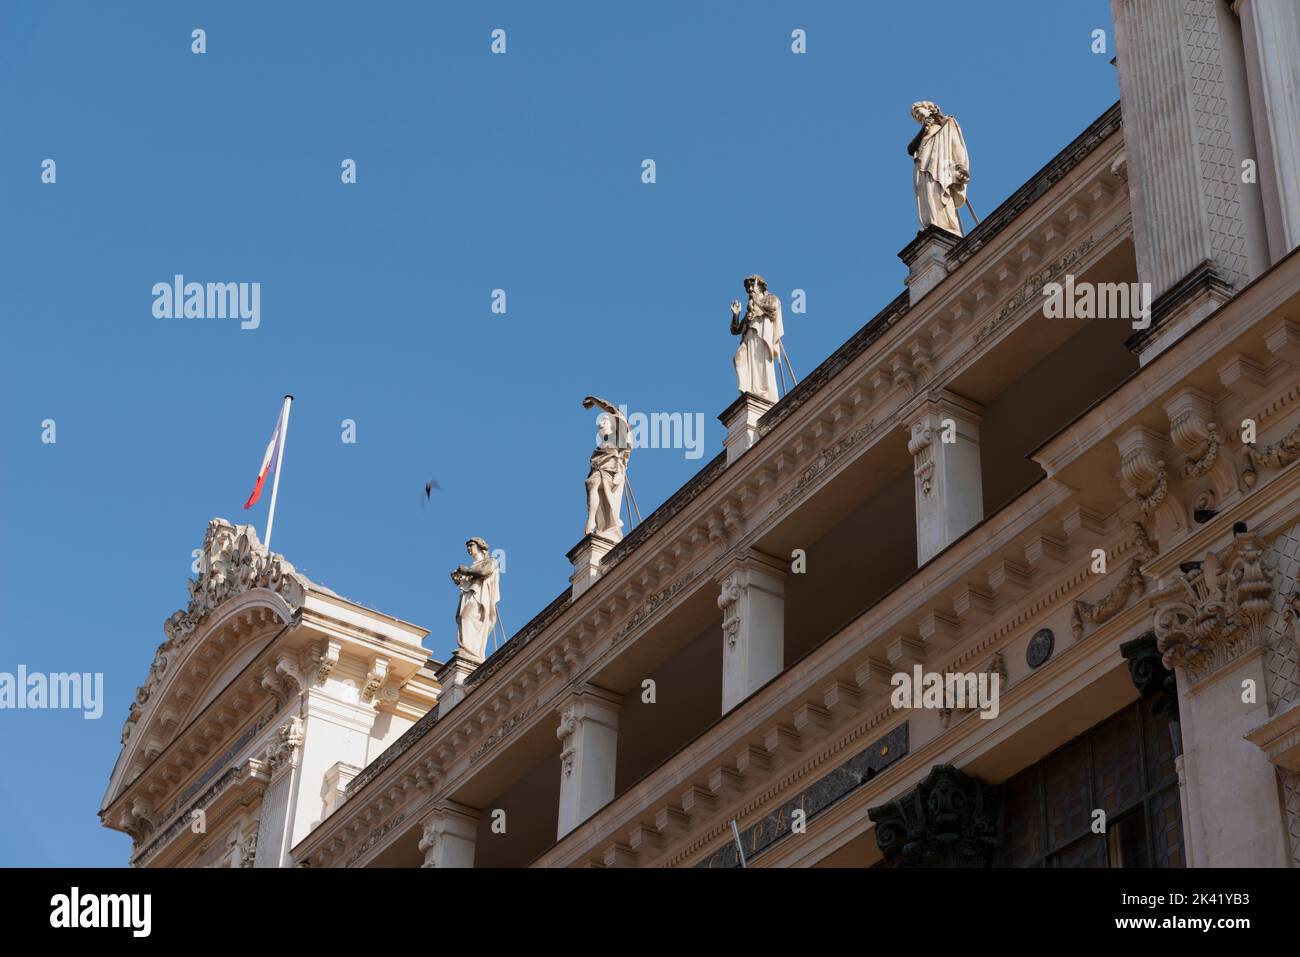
242, 596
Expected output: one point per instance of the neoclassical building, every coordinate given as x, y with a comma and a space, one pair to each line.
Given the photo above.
1095, 513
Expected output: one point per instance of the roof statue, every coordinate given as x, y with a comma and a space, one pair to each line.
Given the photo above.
480, 591
941, 167
607, 475
760, 332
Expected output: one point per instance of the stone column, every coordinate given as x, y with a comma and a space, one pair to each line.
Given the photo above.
1212, 626
588, 735
1270, 31
283, 760
945, 447
752, 600
448, 836
1186, 130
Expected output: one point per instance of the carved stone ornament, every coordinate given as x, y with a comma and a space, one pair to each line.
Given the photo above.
1040, 648
247, 850
997, 665
1147, 477
565, 732
1219, 609
1154, 682
1111, 604
233, 562
729, 603
1199, 439
949, 820
1278, 455
921, 445
283, 748
429, 844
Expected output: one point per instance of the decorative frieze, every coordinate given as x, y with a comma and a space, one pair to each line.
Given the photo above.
652, 603
502, 731
813, 799
824, 460
1278, 455
1112, 603
1031, 290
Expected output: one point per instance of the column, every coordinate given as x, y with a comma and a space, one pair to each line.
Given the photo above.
1270, 32
588, 736
448, 836
752, 600
945, 447
1186, 131
1213, 623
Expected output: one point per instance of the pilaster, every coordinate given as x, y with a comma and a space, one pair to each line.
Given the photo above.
1270, 31
448, 836
1185, 136
588, 736
752, 599
945, 447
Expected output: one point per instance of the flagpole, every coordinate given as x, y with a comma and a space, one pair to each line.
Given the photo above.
279, 458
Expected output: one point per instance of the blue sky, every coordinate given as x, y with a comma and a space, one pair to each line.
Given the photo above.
476, 172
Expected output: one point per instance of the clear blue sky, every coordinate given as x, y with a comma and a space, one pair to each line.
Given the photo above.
475, 172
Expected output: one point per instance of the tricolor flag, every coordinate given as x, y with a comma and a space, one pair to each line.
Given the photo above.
271, 462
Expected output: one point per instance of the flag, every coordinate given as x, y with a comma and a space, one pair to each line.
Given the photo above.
271, 459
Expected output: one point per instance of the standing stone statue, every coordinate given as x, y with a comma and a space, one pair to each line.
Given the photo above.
607, 476
941, 167
760, 332
480, 590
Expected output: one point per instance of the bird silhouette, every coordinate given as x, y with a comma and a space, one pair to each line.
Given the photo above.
429, 486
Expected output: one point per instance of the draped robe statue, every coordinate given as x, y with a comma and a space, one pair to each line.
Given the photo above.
941, 167
760, 332
480, 590
607, 476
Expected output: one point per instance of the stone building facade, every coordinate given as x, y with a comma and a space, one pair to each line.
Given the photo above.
1098, 515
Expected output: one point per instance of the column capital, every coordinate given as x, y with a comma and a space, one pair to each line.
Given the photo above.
586, 701
947, 404
754, 567
448, 834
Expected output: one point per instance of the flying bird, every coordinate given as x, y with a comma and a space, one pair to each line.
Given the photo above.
429, 486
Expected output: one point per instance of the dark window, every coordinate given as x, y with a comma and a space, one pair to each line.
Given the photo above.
1124, 766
